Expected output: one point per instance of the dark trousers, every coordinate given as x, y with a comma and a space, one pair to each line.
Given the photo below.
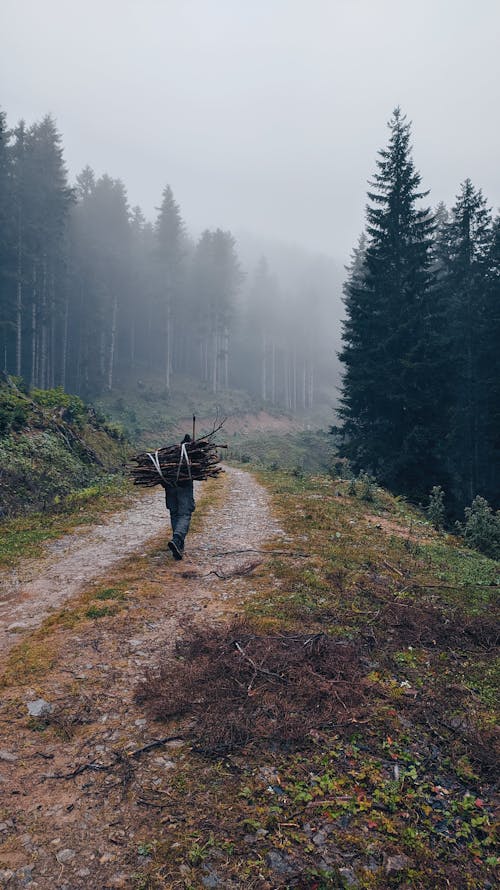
180, 504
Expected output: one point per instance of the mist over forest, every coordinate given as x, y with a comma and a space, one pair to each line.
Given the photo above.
92, 291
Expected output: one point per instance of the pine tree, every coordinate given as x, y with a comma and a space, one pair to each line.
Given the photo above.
388, 406
467, 244
6, 245
490, 373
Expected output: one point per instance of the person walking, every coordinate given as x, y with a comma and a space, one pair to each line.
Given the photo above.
179, 498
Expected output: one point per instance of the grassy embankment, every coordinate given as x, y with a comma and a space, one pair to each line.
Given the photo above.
394, 787
61, 466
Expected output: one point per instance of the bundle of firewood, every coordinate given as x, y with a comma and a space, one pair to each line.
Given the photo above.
174, 464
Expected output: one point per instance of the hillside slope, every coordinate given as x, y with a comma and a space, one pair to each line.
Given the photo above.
51, 444
314, 711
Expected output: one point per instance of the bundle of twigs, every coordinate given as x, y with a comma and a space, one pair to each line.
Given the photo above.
174, 464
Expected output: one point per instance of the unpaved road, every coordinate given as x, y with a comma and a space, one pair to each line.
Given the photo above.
78, 560
84, 832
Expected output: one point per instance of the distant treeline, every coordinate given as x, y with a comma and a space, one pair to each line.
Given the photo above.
90, 290
421, 389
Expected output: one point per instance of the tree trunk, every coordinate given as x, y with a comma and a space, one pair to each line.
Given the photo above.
168, 344
44, 331
52, 351
112, 341
263, 374
215, 351
34, 332
226, 357
19, 298
64, 351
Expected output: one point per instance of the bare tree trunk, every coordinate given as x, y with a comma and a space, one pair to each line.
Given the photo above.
311, 385
132, 342
102, 356
168, 344
215, 351
44, 331
112, 341
263, 369
34, 332
52, 352
64, 351
19, 299
294, 379
273, 373
226, 357
286, 377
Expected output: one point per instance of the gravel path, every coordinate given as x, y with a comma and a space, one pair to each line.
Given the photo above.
76, 561
85, 831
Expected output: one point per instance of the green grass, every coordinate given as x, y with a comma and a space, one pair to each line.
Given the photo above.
24, 537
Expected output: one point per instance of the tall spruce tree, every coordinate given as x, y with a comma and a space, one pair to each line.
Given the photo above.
490, 373
467, 280
388, 407
6, 244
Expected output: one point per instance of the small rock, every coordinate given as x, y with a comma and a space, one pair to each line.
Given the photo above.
166, 764
17, 626
396, 863
8, 756
39, 708
107, 857
118, 882
320, 838
280, 863
211, 880
269, 775
64, 856
24, 875
83, 873
140, 722
348, 877
5, 875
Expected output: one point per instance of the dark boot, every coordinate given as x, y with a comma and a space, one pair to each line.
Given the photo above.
177, 552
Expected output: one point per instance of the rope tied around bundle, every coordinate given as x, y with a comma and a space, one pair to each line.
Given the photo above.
174, 464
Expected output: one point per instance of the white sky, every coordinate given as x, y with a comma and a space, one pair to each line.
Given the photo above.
263, 115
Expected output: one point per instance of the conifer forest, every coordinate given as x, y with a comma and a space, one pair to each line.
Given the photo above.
90, 289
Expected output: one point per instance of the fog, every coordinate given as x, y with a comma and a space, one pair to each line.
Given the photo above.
264, 116
265, 120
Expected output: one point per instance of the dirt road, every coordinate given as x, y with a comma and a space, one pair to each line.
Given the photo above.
66, 822
29, 593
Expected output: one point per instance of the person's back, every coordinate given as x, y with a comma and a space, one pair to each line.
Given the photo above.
180, 503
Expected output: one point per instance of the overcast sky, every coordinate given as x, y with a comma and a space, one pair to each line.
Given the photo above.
265, 115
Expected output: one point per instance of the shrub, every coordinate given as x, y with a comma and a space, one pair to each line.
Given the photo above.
435, 509
481, 528
58, 398
37, 471
366, 487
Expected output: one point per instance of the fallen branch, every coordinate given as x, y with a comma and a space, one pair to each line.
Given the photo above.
119, 757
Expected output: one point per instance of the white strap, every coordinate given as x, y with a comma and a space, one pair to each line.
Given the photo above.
184, 456
156, 463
